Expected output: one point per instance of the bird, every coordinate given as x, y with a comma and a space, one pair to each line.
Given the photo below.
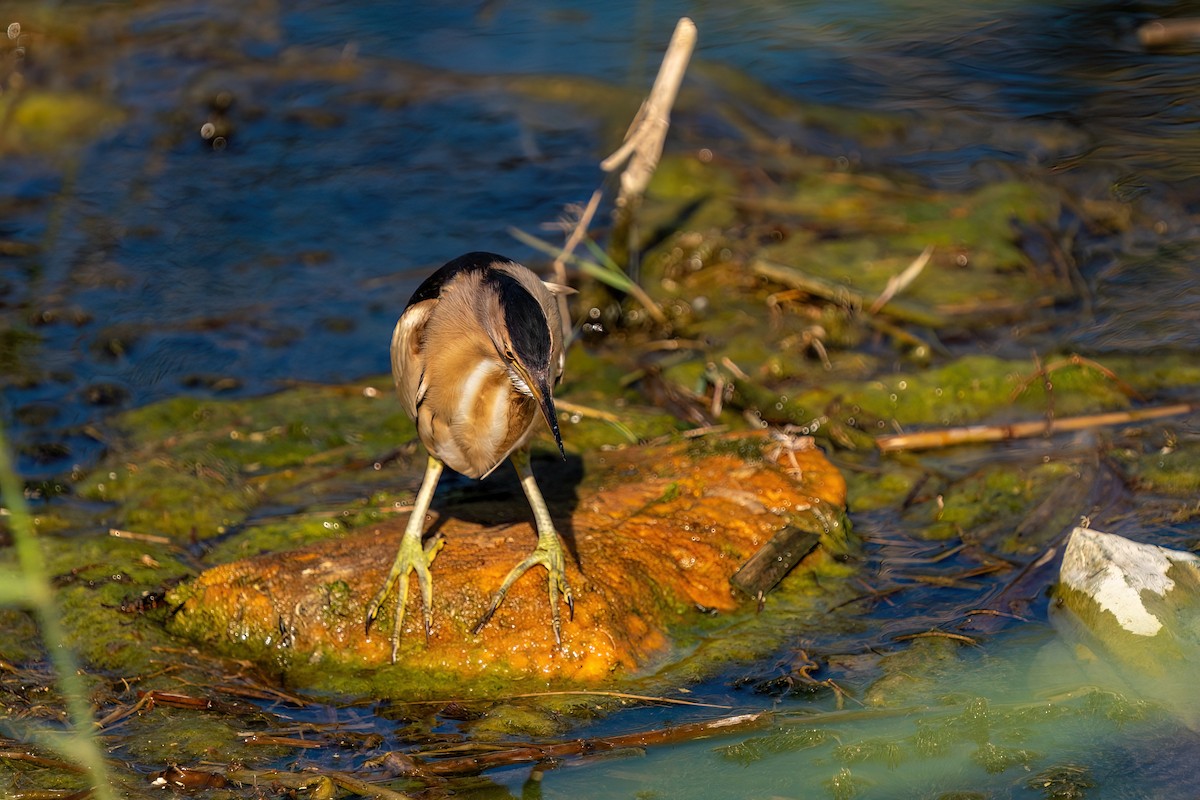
475, 356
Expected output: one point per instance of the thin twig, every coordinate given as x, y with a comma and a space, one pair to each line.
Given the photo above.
978, 434
560, 261
596, 413
898, 283
525, 753
152, 538
957, 637
567, 692
844, 295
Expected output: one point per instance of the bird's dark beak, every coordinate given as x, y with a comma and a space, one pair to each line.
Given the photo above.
545, 400
539, 386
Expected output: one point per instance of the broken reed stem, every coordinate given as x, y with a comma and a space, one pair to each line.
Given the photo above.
636, 158
82, 747
643, 144
978, 434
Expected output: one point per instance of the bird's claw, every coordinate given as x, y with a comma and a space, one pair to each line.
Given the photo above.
548, 553
411, 557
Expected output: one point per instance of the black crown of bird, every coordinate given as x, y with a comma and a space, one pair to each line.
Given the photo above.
475, 356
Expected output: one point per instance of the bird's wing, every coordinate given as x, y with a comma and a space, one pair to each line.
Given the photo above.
408, 359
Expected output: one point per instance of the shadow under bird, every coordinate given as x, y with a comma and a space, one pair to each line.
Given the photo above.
475, 355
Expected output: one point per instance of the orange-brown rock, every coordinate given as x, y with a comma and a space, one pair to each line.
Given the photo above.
654, 533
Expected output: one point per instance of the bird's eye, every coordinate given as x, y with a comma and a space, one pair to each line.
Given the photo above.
508, 353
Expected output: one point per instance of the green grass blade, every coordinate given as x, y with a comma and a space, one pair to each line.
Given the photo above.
38, 595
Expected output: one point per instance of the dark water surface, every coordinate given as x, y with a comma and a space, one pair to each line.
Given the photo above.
155, 265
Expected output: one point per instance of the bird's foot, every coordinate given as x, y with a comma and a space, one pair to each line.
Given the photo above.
411, 557
549, 554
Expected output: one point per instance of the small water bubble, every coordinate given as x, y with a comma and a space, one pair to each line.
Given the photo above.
902, 385
219, 143
705, 155
893, 397
370, 391
937, 392
377, 466
208, 131
14, 30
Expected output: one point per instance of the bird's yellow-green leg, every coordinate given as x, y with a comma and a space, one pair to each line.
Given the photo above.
548, 553
411, 557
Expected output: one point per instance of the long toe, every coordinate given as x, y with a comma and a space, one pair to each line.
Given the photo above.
549, 555
410, 557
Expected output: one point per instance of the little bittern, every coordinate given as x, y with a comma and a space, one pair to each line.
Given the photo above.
475, 356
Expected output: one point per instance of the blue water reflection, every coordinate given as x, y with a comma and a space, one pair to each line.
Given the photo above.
367, 143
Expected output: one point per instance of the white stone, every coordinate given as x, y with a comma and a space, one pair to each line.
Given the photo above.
1115, 571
